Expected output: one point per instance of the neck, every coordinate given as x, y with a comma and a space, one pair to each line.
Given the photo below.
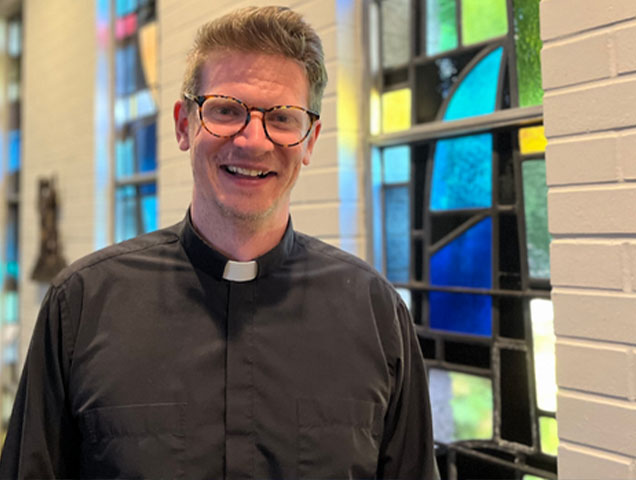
238, 239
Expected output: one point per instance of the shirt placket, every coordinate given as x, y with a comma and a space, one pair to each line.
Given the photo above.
239, 391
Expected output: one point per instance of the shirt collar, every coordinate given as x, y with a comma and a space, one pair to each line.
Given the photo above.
204, 256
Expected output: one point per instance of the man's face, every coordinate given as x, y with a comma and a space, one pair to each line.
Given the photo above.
259, 80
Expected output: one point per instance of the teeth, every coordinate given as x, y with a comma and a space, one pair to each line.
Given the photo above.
245, 171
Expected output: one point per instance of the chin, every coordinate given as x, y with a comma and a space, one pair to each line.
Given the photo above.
247, 215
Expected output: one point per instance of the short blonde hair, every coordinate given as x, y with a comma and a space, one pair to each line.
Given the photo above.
271, 30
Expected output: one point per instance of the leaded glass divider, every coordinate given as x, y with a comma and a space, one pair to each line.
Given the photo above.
464, 217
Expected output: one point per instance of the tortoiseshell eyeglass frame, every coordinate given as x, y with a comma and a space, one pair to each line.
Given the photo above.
200, 100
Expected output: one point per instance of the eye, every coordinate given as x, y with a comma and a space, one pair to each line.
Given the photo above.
219, 110
285, 118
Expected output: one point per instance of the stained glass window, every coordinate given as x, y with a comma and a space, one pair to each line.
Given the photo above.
461, 187
135, 118
10, 167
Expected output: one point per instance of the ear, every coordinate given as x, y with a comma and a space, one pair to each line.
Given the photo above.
311, 141
181, 124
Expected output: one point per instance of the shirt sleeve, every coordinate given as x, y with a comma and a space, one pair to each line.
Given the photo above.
407, 450
42, 440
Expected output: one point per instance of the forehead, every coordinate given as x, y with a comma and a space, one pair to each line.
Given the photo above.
255, 78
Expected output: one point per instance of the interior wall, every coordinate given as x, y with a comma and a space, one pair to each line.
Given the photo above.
59, 48
589, 75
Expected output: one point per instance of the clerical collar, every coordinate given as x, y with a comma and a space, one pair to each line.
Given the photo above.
240, 271
204, 256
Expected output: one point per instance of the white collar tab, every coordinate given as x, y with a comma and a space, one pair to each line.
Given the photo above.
240, 271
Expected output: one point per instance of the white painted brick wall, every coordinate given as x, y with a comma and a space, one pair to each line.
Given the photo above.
57, 118
589, 65
322, 203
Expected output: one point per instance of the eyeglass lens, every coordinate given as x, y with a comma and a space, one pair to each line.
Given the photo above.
225, 117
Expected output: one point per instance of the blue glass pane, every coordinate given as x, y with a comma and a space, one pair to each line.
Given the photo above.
131, 68
148, 189
465, 261
461, 313
145, 104
14, 151
378, 220
120, 71
124, 7
125, 213
396, 221
149, 213
147, 148
125, 157
11, 242
10, 354
13, 269
396, 164
122, 111
462, 173
477, 93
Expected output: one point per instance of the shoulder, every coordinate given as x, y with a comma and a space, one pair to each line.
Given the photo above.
342, 264
331, 254
143, 244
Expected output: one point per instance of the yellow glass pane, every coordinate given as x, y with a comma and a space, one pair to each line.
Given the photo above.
549, 435
148, 52
532, 140
396, 110
543, 340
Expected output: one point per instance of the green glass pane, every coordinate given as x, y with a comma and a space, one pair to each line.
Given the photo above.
483, 20
528, 44
462, 406
543, 340
395, 32
549, 435
535, 198
10, 307
441, 26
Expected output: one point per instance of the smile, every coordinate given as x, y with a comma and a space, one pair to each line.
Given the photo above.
247, 172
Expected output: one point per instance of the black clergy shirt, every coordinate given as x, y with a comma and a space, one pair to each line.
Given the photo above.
146, 363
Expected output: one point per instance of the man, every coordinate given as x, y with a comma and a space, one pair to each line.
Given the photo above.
228, 346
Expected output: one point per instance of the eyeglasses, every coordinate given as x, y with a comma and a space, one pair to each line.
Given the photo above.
226, 117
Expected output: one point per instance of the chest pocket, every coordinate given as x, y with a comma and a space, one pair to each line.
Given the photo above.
338, 438
133, 441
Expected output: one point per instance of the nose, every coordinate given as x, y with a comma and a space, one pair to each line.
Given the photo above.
253, 136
